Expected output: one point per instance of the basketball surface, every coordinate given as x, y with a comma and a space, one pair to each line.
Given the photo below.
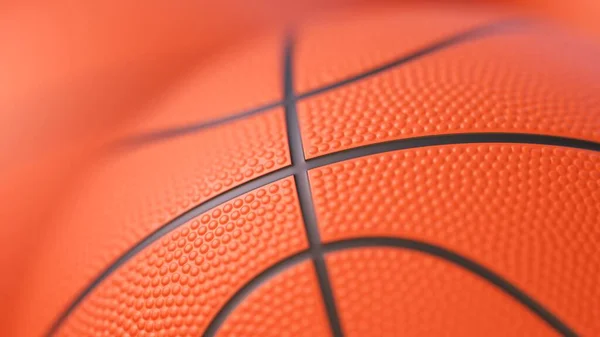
394, 172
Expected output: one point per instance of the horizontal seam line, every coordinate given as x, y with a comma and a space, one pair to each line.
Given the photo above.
274, 176
451, 139
466, 35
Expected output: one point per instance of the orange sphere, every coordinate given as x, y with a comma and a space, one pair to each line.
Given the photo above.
372, 173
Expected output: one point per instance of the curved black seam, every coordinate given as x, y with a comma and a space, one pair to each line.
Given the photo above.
328, 159
452, 139
250, 286
209, 204
400, 243
464, 262
467, 35
154, 136
303, 189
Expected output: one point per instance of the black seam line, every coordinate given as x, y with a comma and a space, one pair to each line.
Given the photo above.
467, 35
400, 243
467, 264
154, 136
248, 288
454, 139
304, 192
215, 201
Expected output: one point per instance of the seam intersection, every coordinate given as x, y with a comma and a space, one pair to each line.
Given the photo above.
300, 167
304, 192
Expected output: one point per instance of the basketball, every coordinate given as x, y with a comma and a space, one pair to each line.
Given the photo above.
377, 172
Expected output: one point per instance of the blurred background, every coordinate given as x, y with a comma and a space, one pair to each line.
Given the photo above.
73, 71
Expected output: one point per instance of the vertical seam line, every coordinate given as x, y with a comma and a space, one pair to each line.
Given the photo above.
300, 169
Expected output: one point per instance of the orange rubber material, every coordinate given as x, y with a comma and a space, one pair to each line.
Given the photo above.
513, 81
242, 77
529, 213
336, 46
125, 197
395, 292
177, 285
288, 305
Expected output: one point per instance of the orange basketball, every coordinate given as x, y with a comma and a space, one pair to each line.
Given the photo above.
385, 172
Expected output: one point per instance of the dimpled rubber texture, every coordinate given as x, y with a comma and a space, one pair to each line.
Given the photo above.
125, 197
242, 77
175, 286
529, 213
395, 292
288, 305
336, 46
512, 81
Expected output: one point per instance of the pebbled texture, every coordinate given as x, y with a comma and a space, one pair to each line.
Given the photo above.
393, 292
509, 82
177, 285
336, 46
529, 213
124, 197
289, 305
